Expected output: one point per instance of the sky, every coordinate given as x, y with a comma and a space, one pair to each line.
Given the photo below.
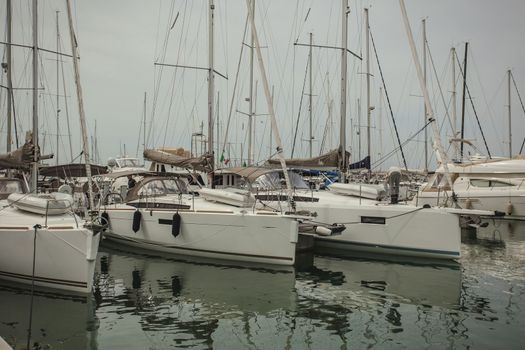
121, 43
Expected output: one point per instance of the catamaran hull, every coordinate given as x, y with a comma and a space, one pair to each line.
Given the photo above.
243, 237
65, 255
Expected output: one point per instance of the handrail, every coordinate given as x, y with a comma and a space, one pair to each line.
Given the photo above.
70, 207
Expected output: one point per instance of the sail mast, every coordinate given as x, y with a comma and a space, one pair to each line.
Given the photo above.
58, 88
454, 114
34, 173
510, 121
463, 102
311, 137
368, 107
211, 87
83, 128
424, 22
9, 76
269, 102
342, 134
251, 113
440, 152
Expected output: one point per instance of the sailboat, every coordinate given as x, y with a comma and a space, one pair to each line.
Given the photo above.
371, 226
42, 242
485, 183
161, 214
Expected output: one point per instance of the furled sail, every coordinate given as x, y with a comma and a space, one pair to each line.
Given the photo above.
202, 163
20, 158
332, 159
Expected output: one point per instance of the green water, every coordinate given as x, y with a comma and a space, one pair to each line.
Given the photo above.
327, 302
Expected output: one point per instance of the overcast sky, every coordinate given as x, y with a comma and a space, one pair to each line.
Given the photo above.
120, 40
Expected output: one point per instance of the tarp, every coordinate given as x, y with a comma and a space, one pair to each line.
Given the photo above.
72, 170
330, 160
202, 163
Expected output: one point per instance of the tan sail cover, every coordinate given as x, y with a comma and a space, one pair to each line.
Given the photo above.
18, 159
202, 163
331, 159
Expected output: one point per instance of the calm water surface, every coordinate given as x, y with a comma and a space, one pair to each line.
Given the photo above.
152, 302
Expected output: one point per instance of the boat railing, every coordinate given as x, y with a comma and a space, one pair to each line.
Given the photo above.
68, 205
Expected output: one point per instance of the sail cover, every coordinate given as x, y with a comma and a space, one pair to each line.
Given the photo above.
18, 159
72, 170
330, 160
202, 163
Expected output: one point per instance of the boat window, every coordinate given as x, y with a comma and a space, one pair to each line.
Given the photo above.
275, 180
128, 162
152, 188
480, 183
496, 183
171, 186
175, 186
183, 186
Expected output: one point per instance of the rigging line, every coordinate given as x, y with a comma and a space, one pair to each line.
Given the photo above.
438, 84
474, 109
386, 156
388, 100
174, 77
300, 107
521, 102
158, 79
489, 109
226, 132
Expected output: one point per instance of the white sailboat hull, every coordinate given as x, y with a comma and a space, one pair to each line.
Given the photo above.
217, 234
65, 253
386, 229
506, 199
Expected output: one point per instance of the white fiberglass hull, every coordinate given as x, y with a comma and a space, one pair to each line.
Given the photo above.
218, 234
513, 205
386, 229
65, 253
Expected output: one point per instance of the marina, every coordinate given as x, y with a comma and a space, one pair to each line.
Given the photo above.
150, 301
279, 175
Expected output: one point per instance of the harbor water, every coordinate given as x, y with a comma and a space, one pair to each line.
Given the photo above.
146, 301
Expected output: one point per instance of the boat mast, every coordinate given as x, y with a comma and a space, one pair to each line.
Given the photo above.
454, 116
251, 112
425, 82
380, 153
144, 124
440, 152
310, 139
510, 121
463, 102
368, 107
58, 89
342, 133
34, 173
211, 88
83, 128
269, 102
9, 76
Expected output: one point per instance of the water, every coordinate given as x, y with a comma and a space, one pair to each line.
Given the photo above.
151, 302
